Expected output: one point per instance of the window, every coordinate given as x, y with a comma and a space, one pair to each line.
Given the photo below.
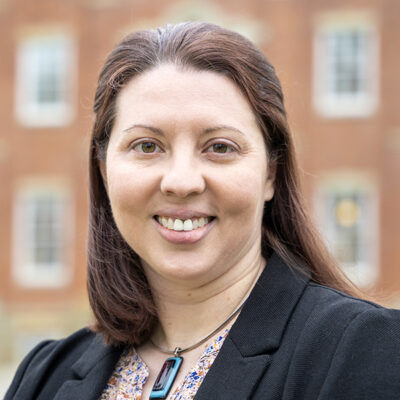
345, 69
45, 80
348, 220
42, 226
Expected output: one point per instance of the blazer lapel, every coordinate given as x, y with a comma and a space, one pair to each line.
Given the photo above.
232, 376
92, 371
248, 350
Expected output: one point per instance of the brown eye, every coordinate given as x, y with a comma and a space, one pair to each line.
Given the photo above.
147, 147
221, 148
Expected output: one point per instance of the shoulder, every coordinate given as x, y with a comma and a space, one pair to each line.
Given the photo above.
70, 347
355, 342
331, 304
50, 357
346, 316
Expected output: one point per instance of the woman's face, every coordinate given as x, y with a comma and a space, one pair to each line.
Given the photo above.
187, 174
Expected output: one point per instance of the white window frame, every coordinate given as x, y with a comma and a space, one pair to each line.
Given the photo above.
26, 271
344, 105
30, 52
364, 273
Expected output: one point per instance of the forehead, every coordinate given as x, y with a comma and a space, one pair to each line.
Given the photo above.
168, 93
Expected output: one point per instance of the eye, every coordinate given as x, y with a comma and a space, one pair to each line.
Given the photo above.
147, 147
221, 148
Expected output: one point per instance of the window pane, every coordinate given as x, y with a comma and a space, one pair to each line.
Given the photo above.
348, 61
346, 65
50, 73
346, 213
44, 79
47, 230
348, 218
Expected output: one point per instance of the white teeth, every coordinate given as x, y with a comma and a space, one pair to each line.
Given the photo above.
177, 224
188, 225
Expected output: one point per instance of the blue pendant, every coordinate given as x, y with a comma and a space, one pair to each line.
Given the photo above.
166, 378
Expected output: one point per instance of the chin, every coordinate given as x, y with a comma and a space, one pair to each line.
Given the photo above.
184, 271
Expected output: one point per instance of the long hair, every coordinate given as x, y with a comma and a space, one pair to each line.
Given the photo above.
119, 293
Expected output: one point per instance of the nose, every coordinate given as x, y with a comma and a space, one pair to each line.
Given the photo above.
182, 177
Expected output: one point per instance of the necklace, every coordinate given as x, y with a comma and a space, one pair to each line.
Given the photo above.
169, 370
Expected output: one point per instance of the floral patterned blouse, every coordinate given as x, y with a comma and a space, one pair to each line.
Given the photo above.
131, 373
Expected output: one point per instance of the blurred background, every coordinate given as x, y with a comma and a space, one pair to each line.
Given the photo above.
339, 64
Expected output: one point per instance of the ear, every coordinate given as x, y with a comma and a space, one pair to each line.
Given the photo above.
270, 182
103, 172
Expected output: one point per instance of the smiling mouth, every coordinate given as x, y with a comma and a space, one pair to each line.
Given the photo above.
176, 224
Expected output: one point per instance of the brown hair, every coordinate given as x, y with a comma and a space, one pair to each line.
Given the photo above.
118, 290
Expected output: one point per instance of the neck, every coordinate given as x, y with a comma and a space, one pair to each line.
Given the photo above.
187, 314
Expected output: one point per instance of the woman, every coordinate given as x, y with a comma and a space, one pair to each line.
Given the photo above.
205, 274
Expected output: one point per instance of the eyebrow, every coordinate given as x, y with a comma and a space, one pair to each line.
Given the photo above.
222, 128
150, 128
159, 132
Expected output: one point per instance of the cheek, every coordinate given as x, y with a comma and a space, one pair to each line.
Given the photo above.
243, 194
129, 188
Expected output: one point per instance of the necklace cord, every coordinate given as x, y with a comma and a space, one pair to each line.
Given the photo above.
179, 350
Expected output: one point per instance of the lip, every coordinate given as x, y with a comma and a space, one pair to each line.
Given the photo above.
183, 237
181, 213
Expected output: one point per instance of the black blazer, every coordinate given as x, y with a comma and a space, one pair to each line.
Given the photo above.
293, 340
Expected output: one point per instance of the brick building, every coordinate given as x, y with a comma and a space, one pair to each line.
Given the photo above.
338, 61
